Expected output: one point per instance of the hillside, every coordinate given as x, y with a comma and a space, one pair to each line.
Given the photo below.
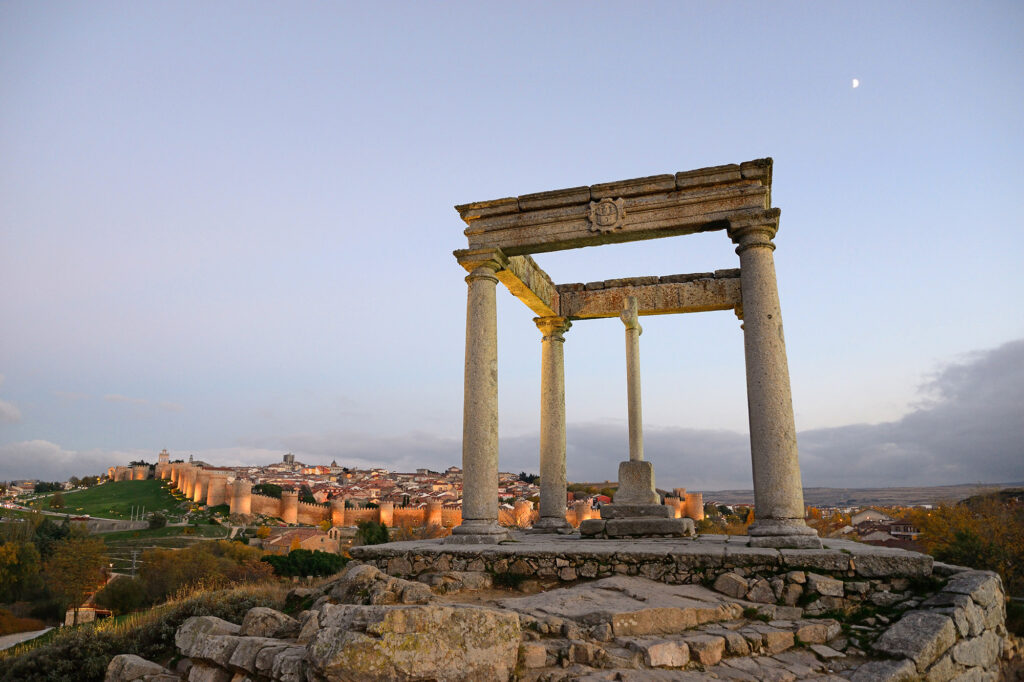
116, 500
860, 497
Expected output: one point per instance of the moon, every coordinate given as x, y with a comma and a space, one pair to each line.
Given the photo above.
856, 82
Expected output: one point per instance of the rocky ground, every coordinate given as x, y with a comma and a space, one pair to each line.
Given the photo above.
460, 625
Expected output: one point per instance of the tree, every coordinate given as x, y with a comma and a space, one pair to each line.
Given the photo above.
372, 533
306, 495
263, 532
122, 594
157, 520
57, 501
268, 489
19, 570
75, 568
324, 525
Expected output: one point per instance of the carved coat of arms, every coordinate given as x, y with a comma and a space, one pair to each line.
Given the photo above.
606, 215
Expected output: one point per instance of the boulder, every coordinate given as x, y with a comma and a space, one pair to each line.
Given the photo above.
444, 643
886, 671
191, 635
265, 622
132, 668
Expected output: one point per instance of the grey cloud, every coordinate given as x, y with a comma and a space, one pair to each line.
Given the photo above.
9, 413
116, 398
48, 461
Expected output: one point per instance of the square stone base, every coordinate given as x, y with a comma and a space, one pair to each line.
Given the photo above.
547, 524
632, 511
473, 532
636, 528
786, 541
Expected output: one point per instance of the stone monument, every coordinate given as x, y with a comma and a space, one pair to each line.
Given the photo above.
503, 233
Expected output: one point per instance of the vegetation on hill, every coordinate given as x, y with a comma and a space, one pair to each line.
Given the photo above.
305, 562
117, 500
83, 653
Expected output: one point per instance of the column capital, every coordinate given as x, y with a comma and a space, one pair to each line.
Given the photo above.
553, 328
494, 260
757, 229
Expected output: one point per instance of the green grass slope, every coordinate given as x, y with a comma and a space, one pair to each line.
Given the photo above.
115, 500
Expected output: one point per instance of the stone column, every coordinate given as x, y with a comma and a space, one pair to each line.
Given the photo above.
480, 412
636, 477
778, 493
552, 426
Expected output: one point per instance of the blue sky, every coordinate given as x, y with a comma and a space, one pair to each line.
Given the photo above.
226, 228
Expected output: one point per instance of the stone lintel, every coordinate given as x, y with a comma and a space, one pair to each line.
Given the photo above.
651, 207
520, 274
664, 297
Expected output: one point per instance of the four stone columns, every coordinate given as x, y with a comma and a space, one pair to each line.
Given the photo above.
552, 426
480, 412
778, 493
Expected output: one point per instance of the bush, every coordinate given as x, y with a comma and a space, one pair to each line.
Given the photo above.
157, 520
372, 533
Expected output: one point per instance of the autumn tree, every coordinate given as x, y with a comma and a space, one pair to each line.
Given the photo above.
985, 532
75, 569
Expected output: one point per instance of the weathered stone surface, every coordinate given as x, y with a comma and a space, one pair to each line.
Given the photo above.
885, 671
435, 642
826, 652
824, 585
265, 622
978, 651
591, 527
981, 586
920, 636
633, 606
244, 656
191, 634
732, 585
132, 668
877, 562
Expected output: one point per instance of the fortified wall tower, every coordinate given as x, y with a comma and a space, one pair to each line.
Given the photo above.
290, 506
241, 497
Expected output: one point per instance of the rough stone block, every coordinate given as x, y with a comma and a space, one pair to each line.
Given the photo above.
592, 527
825, 586
706, 649
978, 651
732, 585
761, 592
533, 655
664, 653
920, 636
981, 586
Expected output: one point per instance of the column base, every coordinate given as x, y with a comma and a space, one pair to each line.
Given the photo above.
477, 532
783, 534
552, 524
636, 484
634, 511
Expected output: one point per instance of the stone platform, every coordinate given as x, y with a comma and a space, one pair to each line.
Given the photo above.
567, 558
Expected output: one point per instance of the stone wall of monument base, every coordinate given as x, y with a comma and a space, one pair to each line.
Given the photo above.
940, 621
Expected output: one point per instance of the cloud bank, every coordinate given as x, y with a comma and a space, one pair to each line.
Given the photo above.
968, 427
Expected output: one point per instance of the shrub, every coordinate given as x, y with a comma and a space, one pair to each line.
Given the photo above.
157, 520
